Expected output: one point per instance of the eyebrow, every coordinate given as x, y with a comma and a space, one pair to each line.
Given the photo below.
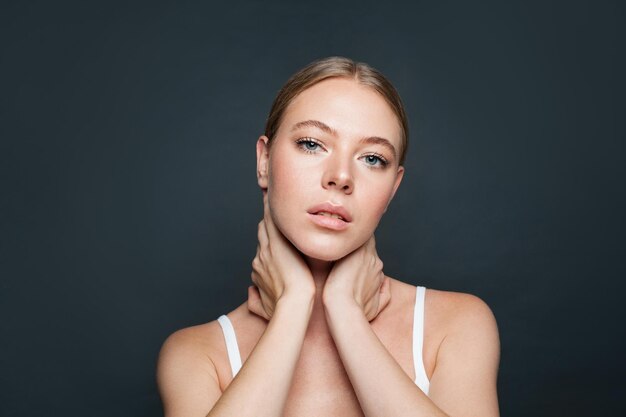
375, 140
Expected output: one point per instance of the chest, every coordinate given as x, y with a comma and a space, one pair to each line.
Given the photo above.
321, 385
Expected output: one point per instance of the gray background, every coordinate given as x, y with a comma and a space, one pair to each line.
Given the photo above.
129, 198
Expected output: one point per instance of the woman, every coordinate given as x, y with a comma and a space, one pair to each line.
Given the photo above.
324, 331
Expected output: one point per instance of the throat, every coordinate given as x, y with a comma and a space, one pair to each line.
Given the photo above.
318, 330
319, 270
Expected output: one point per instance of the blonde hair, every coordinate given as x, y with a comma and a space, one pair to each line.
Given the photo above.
333, 67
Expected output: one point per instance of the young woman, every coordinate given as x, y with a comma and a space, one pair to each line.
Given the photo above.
324, 331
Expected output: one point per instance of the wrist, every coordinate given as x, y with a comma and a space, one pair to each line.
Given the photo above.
297, 296
292, 308
340, 308
332, 298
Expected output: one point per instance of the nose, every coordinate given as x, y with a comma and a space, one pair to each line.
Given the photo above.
337, 175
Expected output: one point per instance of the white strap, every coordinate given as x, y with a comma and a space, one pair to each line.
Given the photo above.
421, 379
231, 343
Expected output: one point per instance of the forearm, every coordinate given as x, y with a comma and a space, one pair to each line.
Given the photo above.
262, 384
381, 385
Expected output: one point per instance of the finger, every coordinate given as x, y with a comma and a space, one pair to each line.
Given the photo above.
265, 304
385, 295
380, 265
372, 310
262, 235
253, 296
384, 286
256, 261
258, 281
257, 303
254, 302
267, 216
372, 242
368, 247
265, 207
272, 231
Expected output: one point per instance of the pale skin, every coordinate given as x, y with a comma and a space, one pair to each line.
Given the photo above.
327, 332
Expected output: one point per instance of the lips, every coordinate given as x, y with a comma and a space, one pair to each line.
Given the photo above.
331, 209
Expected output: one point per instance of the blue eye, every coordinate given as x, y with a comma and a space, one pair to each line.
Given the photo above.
307, 145
376, 158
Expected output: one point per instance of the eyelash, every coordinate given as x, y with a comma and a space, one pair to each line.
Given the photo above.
383, 161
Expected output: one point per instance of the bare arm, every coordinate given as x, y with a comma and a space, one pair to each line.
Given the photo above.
261, 385
189, 387
464, 381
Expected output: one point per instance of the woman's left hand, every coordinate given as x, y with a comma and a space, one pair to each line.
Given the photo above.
358, 277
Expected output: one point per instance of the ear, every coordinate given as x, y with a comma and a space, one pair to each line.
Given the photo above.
396, 184
262, 161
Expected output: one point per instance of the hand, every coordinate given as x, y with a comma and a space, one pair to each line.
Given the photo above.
358, 277
278, 269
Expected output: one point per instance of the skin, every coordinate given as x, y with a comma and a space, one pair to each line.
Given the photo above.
335, 167
328, 331
337, 171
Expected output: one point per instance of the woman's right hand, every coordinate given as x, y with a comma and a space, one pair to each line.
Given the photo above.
278, 269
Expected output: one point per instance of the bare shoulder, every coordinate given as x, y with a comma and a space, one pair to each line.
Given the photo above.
448, 312
202, 347
187, 377
465, 318
192, 347
197, 341
469, 354
448, 307
460, 307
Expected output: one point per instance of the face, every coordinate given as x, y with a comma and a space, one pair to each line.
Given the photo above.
338, 143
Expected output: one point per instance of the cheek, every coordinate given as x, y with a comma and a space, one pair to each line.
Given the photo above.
285, 177
293, 186
375, 198
289, 185
370, 219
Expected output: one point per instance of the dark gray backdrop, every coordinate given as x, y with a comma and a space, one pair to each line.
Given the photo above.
129, 197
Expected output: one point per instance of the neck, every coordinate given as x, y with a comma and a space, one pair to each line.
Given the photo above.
317, 323
320, 270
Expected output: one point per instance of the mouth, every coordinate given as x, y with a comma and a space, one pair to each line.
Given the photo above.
328, 221
327, 214
331, 211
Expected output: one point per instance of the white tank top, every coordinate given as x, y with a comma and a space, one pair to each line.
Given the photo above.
421, 379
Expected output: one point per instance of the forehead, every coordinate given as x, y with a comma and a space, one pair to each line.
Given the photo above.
350, 108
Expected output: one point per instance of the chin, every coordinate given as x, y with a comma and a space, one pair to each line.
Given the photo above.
321, 248
324, 246
322, 255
